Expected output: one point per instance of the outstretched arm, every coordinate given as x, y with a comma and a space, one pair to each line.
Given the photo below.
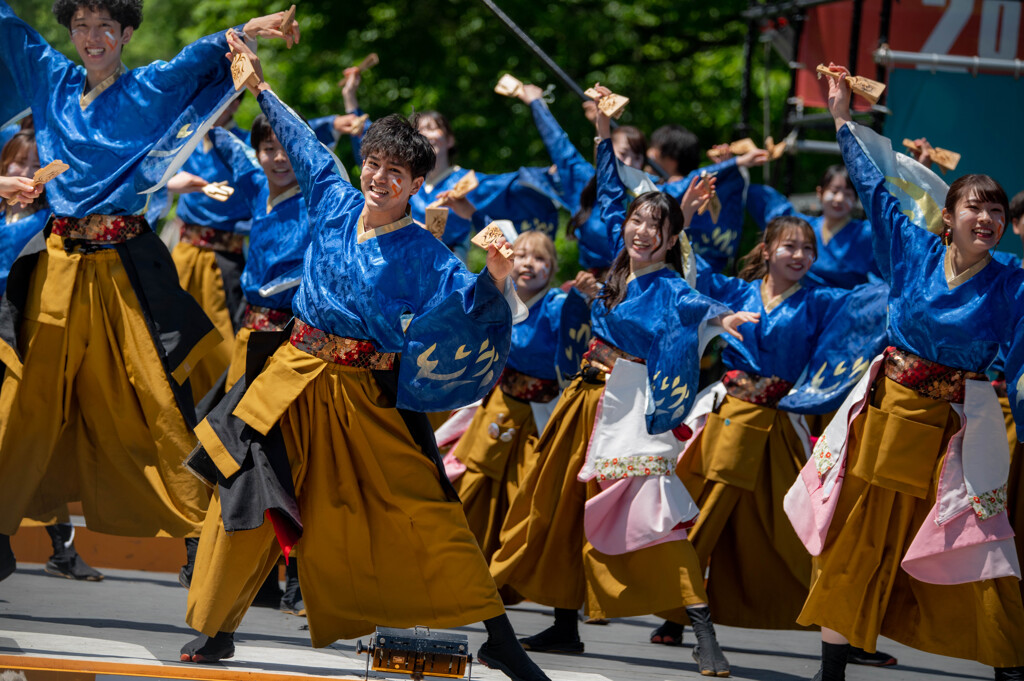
574, 172
246, 174
28, 58
314, 166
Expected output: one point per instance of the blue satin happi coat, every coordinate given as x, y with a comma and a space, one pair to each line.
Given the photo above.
280, 230
196, 208
535, 341
106, 134
508, 196
660, 321
14, 237
395, 285
961, 322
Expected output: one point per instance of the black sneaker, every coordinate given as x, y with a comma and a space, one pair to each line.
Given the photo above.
73, 567
875, 659
552, 640
206, 649
511, 661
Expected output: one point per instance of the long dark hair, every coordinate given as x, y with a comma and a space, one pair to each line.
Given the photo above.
665, 211
754, 265
588, 197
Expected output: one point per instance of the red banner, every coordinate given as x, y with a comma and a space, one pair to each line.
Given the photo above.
986, 28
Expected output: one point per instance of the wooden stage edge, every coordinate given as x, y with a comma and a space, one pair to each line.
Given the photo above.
193, 672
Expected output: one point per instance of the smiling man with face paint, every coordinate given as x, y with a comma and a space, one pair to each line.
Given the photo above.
388, 325
99, 354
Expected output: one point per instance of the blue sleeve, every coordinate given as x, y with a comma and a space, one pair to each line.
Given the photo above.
765, 204
247, 176
889, 226
574, 172
314, 166
168, 84
28, 58
611, 196
729, 291
673, 363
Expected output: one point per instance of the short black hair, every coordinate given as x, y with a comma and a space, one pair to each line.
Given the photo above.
834, 171
394, 138
680, 145
260, 131
1017, 207
125, 12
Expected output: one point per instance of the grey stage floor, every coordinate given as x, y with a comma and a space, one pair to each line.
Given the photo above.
139, 617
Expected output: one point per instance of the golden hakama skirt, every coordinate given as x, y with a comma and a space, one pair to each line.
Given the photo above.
494, 467
858, 587
200, 276
92, 417
738, 471
381, 544
544, 554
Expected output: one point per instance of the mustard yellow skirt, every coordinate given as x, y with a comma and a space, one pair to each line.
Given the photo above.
381, 544
544, 554
495, 464
858, 587
738, 471
201, 278
1015, 483
91, 416
239, 352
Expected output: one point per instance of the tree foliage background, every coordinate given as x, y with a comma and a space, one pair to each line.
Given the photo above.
679, 61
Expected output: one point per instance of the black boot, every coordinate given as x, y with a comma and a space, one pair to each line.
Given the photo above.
503, 652
65, 561
269, 595
562, 637
206, 649
668, 634
291, 601
1009, 673
7, 562
185, 573
875, 659
833, 662
708, 655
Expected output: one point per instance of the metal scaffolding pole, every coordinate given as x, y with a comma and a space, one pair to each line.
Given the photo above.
973, 65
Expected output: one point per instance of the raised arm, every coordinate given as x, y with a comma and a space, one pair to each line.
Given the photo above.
315, 167
574, 172
28, 58
611, 195
765, 203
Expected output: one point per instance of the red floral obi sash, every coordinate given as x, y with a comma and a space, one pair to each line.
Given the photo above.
265, 318
928, 378
101, 229
340, 350
763, 390
213, 239
600, 357
527, 388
